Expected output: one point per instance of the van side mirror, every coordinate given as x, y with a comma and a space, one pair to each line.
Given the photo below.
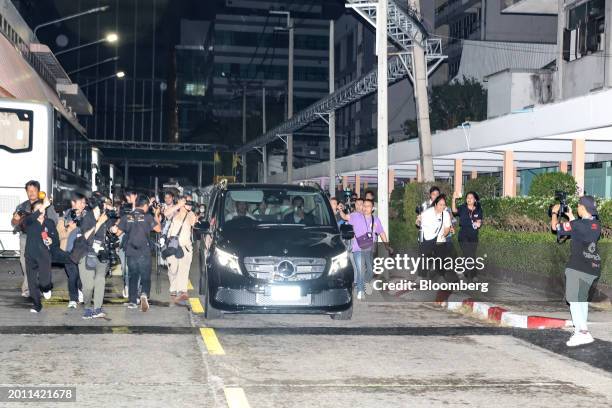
346, 230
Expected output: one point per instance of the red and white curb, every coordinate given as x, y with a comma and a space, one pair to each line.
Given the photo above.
505, 317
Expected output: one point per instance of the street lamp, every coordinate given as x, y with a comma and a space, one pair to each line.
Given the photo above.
110, 38
93, 65
70, 17
119, 74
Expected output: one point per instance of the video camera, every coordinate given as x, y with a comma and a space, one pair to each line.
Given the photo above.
561, 197
71, 216
109, 253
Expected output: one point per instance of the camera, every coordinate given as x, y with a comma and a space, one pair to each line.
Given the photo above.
109, 254
191, 203
561, 197
112, 214
71, 216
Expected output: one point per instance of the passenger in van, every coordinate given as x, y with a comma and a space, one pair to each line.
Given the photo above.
262, 209
298, 215
242, 208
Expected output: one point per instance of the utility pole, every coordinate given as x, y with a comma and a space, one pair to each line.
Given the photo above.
290, 104
422, 103
332, 115
264, 150
382, 110
244, 164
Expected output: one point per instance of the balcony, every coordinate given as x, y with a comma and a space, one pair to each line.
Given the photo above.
549, 7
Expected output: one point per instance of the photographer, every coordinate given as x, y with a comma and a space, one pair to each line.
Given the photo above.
32, 189
138, 225
338, 210
179, 262
584, 265
68, 229
93, 266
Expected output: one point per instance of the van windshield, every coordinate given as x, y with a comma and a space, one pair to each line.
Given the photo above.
275, 207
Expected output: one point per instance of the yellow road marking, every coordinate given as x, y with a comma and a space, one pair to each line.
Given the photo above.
189, 285
236, 398
211, 341
121, 330
196, 305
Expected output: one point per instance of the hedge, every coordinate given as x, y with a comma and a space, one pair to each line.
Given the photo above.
484, 186
545, 184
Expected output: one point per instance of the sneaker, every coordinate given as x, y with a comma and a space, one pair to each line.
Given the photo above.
368, 288
98, 313
144, 303
34, 311
183, 296
125, 292
80, 296
88, 314
25, 294
72, 304
580, 338
137, 301
132, 306
359, 295
47, 294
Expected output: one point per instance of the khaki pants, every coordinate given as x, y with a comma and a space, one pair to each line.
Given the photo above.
93, 282
178, 271
22, 245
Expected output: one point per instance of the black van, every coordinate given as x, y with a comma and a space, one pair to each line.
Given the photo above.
274, 249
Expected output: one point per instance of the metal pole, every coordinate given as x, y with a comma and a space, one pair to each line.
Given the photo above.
264, 150
199, 174
290, 105
153, 71
126, 175
244, 164
422, 106
332, 115
156, 187
382, 110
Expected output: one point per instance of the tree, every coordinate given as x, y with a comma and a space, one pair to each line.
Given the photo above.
452, 104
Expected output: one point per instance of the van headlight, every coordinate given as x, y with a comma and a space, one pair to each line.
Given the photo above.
227, 260
339, 262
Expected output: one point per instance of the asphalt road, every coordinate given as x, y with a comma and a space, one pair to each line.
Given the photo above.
389, 355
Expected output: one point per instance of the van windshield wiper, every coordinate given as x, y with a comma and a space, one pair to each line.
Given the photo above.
280, 225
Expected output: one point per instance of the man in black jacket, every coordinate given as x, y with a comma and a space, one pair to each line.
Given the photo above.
584, 265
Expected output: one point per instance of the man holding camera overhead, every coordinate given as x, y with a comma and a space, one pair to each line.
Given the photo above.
584, 265
179, 261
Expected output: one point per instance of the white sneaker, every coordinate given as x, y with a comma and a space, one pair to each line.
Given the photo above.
359, 295
34, 311
72, 304
368, 288
125, 292
580, 338
80, 297
47, 295
25, 294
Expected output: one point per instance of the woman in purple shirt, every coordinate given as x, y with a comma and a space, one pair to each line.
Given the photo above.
367, 228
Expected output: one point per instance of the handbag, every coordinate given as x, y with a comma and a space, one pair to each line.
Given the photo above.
91, 261
366, 241
172, 246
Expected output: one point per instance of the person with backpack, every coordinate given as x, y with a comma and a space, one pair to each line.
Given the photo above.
367, 228
179, 263
138, 225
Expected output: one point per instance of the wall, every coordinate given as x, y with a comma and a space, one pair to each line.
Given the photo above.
583, 75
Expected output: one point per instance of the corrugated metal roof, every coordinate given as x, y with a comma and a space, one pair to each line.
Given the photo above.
483, 58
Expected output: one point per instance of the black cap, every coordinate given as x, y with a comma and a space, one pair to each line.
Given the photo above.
589, 204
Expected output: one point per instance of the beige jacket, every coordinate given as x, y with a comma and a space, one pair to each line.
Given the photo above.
185, 236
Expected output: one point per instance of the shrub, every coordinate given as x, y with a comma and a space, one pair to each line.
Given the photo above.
416, 193
485, 186
545, 184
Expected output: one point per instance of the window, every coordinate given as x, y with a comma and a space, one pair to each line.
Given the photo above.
585, 30
16, 130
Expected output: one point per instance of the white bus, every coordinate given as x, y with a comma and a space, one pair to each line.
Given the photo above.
40, 138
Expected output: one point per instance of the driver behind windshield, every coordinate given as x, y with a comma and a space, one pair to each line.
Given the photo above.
298, 216
241, 211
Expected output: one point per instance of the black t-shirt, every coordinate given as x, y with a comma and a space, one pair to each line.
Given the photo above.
466, 218
35, 248
584, 253
137, 225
